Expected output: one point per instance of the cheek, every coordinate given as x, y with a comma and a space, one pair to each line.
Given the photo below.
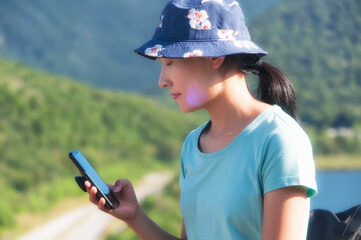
196, 96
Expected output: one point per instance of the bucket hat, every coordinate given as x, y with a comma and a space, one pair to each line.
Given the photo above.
207, 28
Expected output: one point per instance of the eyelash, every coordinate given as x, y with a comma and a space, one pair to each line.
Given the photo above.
169, 63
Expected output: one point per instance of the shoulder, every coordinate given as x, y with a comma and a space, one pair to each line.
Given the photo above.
278, 118
282, 128
275, 127
287, 158
285, 144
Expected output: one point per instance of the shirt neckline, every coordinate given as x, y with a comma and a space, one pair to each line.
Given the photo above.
247, 129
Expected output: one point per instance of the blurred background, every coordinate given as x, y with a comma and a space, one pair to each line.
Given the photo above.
69, 79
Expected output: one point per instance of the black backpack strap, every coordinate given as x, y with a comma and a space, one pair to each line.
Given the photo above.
325, 225
353, 227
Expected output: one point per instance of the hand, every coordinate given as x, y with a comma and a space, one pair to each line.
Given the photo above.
124, 191
129, 211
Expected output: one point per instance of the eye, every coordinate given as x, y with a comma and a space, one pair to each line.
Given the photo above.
169, 63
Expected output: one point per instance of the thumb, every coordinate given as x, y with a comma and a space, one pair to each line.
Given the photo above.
120, 185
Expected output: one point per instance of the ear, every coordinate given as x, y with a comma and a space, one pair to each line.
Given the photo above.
217, 62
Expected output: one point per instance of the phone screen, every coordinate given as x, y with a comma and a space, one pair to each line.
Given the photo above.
91, 173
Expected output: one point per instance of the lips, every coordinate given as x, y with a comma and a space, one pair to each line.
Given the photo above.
175, 95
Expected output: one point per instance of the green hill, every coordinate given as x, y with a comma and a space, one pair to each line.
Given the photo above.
318, 43
43, 117
92, 41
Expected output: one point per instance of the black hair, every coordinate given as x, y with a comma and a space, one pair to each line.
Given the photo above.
274, 86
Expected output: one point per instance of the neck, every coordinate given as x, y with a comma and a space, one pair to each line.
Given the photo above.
235, 107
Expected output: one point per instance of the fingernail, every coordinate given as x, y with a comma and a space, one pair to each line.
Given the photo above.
116, 189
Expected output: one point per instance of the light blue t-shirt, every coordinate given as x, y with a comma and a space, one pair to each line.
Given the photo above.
222, 192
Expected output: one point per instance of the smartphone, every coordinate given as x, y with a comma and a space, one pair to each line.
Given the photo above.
89, 173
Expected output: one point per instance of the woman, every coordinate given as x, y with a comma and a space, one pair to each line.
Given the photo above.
248, 172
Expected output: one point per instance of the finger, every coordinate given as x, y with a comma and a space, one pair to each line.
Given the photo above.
110, 186
101, 205
93, 195
92, 191
88, 185
120, 184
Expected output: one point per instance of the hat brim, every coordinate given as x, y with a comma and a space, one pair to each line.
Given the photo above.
156, 48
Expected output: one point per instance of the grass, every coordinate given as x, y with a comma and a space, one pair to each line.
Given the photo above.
28, 221
338, 162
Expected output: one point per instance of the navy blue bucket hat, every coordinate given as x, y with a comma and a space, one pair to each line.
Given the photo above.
207, 28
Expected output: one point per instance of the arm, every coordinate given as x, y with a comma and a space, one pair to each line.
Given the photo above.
130, 212
146, 229
183, 234
283, 213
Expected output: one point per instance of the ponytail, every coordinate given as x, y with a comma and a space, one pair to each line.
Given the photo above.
274, 86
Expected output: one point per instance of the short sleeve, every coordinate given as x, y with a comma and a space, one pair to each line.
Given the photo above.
288, 161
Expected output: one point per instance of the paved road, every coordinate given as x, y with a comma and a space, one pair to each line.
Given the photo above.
87, 222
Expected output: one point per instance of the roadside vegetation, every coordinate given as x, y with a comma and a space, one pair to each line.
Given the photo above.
44, 117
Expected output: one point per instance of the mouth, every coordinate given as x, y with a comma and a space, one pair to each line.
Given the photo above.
175, 95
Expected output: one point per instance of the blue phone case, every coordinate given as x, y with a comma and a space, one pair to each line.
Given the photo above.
89, 173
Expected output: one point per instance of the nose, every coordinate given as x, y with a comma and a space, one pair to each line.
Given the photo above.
163, 80
163, 83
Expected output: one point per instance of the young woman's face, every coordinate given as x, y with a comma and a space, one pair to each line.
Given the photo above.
191, 81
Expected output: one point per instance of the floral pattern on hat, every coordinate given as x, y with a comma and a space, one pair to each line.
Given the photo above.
199, 19
227, 35
235, 3
219, 1
191, 27
195, 53
160, 24
154, 51
245, 44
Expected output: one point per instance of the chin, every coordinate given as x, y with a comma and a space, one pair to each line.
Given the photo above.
189, 109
